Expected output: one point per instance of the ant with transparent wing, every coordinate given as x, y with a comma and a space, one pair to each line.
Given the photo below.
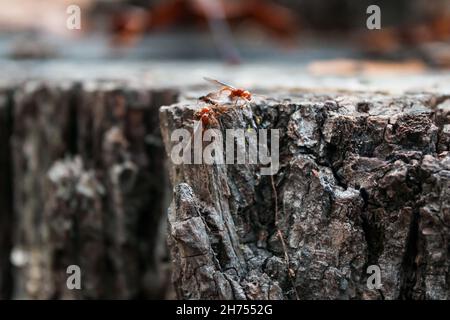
208, 114
234, 94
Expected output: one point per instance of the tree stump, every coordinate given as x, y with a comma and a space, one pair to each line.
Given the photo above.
6, 211
364, 180
89, 190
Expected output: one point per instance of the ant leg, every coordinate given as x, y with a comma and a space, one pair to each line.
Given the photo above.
235, 109
213, 121
242, 105
235, 103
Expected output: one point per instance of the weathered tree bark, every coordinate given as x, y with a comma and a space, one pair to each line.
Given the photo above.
364, 180
89, 190
41, 132
5, 194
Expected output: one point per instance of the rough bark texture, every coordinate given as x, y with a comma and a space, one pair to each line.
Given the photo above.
89, 190
5, 194
364, 180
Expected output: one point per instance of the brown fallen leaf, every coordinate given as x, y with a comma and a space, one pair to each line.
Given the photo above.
349, 67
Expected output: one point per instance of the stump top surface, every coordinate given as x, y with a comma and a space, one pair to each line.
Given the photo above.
272, 76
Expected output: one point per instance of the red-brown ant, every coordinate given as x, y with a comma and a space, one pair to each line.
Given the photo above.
208, 114
235, 94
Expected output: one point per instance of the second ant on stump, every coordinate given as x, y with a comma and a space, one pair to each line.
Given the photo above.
208, 114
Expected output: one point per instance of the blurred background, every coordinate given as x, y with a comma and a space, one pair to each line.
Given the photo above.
159, 45
414, 32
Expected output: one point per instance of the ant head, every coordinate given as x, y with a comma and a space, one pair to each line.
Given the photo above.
247, 95
201, 112
205, 119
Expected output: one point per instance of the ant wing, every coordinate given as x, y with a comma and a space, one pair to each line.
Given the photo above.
259, 96
218, 83
213, 95
210, 98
